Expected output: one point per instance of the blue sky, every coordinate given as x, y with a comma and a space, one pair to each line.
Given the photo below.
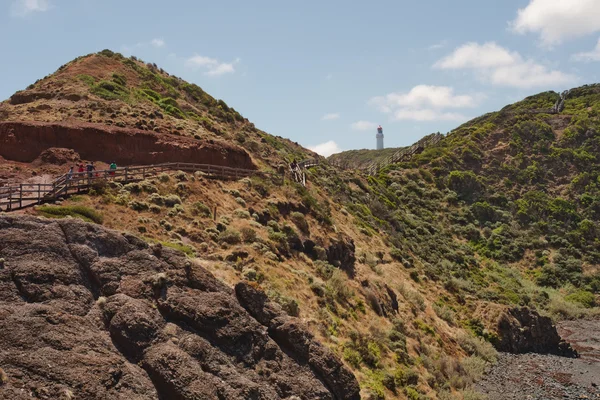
325, 73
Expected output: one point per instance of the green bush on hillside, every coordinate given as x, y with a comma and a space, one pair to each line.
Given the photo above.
81, 212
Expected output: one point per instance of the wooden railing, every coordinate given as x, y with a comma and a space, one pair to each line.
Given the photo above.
23, 195
403, 154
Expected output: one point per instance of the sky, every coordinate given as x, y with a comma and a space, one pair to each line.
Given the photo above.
324, 73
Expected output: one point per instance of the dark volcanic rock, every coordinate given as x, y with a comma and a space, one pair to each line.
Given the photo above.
296, 340
522, 330
341, 254
93, 314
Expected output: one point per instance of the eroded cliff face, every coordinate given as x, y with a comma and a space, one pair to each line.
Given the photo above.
523, 330
25, 141
90, 313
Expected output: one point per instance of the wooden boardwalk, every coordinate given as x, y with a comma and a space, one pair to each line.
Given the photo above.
15, 197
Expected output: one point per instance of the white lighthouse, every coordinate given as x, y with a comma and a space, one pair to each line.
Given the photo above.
379, 138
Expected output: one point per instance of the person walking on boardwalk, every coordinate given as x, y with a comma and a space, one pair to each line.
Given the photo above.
113, 168
90, 169
70, 174
80, 171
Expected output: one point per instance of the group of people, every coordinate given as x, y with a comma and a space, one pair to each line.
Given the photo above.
90, 169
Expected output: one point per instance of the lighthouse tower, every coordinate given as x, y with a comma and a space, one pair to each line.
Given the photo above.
379, 138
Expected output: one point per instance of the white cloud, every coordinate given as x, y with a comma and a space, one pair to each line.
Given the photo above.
425, 96
221, 69
423, 115
425, 103
593, 55
158, 42
330, 117
326, 149
363, 126
21, 8
501, 67
212, 66
473, 55
528, 74
558, 20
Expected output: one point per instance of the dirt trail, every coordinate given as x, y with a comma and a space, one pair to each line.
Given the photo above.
536, 376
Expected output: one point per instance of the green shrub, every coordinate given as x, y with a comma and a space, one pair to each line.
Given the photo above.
300, 221
396, 254
138, 205
148, 187
164, 177
406, 376
277, 237
200, 209
171, 200
352, 357
188, 250
474, 367
82, 212
368, 349
229, 236
250, 274
157, 199
289, 305
320, 253
477, 346
583, 297
412, 393
176, 210
338, 286
412, 297
466, 185
241, 213
248, 235
444, 313
181, 176
324, 269
133, 187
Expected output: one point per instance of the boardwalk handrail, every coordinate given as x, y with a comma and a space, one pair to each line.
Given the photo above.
23, 195
403, 153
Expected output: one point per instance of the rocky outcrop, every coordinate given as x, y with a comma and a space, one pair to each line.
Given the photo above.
295, 340
25, 141
29, 96
90, 313
57, 156
522, 330
382, 299
341, 254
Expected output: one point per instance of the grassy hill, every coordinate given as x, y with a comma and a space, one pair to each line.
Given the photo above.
361, 158
109, 89
403, 274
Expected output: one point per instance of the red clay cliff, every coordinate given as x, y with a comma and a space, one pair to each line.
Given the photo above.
25, 141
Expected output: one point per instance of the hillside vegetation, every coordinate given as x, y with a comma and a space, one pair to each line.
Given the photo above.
359, 159
404, 274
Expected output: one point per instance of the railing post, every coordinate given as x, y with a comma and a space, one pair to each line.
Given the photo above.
20, 195
39, 193
126, 173
9, 206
